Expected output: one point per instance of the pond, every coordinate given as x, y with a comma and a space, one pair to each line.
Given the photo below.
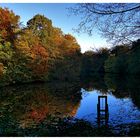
120, 111
123, 100
107, 100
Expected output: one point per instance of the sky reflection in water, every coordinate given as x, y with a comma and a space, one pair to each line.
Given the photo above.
120, 110
27, 106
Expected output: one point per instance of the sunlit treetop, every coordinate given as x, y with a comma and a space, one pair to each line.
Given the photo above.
9, 25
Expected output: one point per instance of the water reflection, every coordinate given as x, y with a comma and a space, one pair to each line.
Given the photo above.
123, 99
102, 111
28, 105
101, 100
119, 86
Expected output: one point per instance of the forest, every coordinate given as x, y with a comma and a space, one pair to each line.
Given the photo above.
40, 52
37, 52
122, 59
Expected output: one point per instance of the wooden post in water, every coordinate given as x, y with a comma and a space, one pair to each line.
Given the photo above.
102, 111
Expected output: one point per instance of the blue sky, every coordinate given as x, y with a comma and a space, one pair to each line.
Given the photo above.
58, 13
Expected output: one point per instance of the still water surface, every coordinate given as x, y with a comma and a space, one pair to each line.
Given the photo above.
25, 106
120, 110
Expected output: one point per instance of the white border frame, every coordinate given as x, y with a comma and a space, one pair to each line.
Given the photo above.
70, 1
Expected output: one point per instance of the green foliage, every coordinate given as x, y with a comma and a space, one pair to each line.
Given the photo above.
134, 61
124, 59
93, 61
115, 64
40, 25
38, 52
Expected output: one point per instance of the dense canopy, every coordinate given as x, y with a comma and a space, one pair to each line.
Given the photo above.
36, 52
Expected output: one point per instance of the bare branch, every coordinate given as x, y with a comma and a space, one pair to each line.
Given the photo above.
117, 22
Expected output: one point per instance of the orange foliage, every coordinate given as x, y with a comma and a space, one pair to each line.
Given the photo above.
40, 58
8, 23
1, 69
38, 114
40, 51
70, 38
37, 49
58, 40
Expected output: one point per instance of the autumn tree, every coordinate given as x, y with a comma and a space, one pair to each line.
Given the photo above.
117, 22
58, 37
9, 26
35, 52
41, 27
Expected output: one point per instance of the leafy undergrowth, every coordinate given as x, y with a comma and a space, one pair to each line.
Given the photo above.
70, 127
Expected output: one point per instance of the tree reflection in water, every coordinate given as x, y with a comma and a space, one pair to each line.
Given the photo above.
32, 110
28, 105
